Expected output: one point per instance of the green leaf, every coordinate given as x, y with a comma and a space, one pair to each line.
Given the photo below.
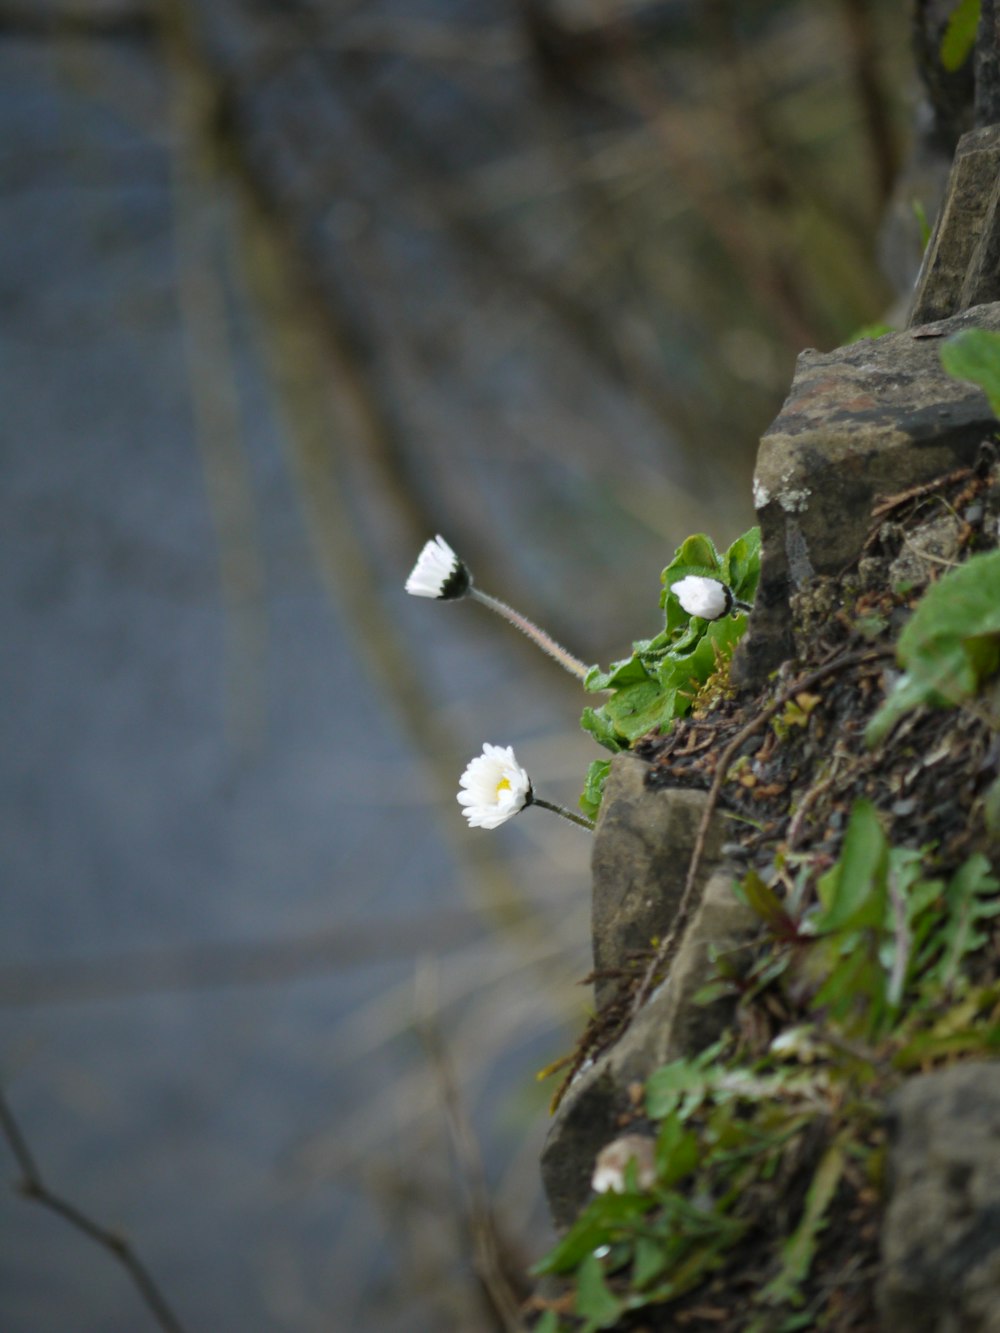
629, 671
669, 1086
960, 35
741, 565
971, 885
876, 330
596, 1226
549, 1323
853, 892
638, 709
762, 899
593, 789
950, 644
974, 354
600, 726
676, 1152
651, 1257
798, 1251
595, 1301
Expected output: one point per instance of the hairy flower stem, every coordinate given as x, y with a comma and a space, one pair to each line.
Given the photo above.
545, 641
582, 820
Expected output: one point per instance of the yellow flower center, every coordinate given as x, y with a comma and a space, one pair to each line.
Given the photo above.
502, 785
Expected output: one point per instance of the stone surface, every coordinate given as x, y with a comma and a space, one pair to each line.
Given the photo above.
598, 1105
864, 420
941, 1235
961, 266
642, 849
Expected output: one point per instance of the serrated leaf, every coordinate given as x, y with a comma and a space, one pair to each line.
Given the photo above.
593, 788
970, 899
798, 1251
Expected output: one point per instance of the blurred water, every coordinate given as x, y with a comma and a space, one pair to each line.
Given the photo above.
224, 854
141, 815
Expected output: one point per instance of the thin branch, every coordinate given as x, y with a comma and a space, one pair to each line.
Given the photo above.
668, 948
31, 1186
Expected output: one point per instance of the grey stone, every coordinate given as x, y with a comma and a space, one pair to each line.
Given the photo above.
941, 1234
642, 848
867, 419
598, 1104
961, 265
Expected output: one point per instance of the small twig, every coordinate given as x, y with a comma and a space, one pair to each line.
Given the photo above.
668, 947
31, 1186
890, 502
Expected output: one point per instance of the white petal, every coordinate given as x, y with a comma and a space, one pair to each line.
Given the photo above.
436, 564
708, 598
493, 788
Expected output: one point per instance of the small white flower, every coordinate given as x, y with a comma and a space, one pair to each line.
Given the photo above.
438, 573
614, 1157
494, 787
708, 598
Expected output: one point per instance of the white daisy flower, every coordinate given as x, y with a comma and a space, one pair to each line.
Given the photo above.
438, 573
613, 1159
709, 598
494, 787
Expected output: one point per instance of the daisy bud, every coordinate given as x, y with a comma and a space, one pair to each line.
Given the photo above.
708, 598
438, 573
614, 1157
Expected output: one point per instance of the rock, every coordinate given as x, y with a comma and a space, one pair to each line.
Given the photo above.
642, 849
941, 1234
961, 265
871, 418
598, 1105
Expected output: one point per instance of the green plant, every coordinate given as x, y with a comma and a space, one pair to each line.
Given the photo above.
960, 34
950, 646
661, 679
873, 970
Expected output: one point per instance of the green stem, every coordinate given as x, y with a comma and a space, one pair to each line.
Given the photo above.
582, 820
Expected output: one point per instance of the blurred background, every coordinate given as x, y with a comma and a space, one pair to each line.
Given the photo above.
288, 286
